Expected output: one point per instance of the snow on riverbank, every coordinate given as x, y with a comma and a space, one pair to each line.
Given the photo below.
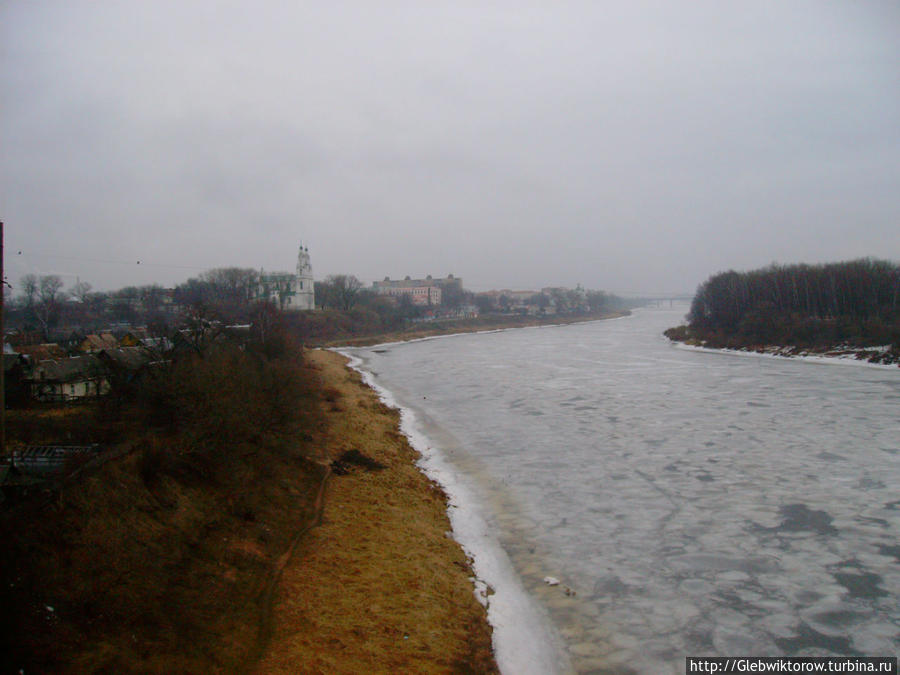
838, 356
524, 641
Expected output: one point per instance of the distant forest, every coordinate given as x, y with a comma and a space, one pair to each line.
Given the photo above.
855, 302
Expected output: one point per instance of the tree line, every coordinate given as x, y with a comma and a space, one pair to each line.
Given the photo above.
41, 306
834, 301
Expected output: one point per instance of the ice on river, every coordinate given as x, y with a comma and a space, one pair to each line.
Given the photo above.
689, 503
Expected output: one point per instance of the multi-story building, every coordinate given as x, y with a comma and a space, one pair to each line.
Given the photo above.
427, 291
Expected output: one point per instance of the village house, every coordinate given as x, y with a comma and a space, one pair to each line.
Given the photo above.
130, 359
467, 311
125, 365
95, 343
133, 338
157, 345
41, 352
68, 379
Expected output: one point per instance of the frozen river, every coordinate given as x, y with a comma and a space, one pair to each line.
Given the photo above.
689, 503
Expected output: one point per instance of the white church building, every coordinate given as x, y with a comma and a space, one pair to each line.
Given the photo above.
290, 292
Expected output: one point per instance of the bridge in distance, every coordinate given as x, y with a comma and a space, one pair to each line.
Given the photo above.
657, 299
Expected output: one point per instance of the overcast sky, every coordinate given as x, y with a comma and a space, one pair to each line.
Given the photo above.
628, 146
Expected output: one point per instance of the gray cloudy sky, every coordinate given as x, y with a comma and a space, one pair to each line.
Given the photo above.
628, 146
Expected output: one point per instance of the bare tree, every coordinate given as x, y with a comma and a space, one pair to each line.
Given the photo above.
48, 299
151, 297
80, 291
230, 290
852, 292
201, 328
452, 295
541, 301
323, 294
231, 284
345, 289
598, 300
560, 300
485, 303
29, 284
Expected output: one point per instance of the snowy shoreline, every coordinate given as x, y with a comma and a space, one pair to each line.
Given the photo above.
524, 641
848, 357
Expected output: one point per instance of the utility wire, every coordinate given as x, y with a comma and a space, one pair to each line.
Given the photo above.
109, 262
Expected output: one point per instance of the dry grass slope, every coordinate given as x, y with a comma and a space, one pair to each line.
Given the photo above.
380, 586
169, 558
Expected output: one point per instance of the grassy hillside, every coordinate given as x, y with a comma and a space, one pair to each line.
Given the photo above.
191, 547
157, 560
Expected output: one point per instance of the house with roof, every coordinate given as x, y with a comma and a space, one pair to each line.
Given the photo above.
125, 365
157, 345
68, 379
134, 338
130, 359
95, 343
41, 352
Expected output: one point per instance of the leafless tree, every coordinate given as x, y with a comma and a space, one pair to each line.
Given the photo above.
598, 300
49, 296
29, 284
231, 284
856, 291
345, 289
80, 291
485, 303
152, 297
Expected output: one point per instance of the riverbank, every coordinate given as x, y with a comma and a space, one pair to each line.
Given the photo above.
380, 585
479, 324
879, 355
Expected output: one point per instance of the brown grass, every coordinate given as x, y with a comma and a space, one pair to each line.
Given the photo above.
157, 561
168, 559
380, 586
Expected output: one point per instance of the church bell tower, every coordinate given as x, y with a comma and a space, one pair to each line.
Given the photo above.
304, 290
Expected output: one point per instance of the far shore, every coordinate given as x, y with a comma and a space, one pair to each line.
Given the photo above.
835, 355
459, 326
882, 356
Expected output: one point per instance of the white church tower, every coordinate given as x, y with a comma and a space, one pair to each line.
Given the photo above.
289, 292
304, 286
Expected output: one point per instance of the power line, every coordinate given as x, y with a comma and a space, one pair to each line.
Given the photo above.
109, 262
